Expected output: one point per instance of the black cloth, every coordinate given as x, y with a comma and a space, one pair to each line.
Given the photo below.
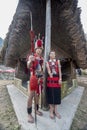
53, 94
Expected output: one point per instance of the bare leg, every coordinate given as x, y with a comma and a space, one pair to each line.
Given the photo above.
37, 106
51, 111
56, 112
29, 107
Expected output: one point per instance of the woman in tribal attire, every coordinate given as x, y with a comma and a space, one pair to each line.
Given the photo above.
53, 84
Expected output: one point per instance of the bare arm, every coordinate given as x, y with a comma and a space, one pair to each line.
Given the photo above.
48, 69
29, 62
59, 66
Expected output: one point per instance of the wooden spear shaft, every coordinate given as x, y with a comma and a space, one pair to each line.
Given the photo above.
47, 46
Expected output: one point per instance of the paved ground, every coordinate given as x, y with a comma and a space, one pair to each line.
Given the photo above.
67, 110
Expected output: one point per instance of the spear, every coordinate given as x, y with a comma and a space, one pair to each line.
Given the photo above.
32, 36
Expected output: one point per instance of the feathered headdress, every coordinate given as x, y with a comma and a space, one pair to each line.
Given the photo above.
38, 42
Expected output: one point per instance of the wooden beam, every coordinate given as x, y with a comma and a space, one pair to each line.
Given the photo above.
47, 46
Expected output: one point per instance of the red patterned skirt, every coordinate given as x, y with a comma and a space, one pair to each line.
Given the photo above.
53, 90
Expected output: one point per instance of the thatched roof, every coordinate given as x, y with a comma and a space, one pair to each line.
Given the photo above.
67, 32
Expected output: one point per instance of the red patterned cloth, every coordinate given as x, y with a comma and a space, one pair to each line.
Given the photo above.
33, 83
36, 83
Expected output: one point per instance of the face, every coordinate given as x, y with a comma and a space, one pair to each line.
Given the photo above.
39, 51
52, 54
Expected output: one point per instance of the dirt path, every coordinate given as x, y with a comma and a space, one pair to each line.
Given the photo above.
80, 120
8, 119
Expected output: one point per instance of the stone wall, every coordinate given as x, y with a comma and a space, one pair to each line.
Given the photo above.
65, 89
6, 73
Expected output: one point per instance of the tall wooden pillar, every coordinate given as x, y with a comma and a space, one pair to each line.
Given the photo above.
47, 46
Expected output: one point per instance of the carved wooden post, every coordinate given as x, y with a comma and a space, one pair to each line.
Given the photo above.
47, 46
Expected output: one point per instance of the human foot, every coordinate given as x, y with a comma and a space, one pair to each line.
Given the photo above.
39, 113
52, 115
58, 115
30, 118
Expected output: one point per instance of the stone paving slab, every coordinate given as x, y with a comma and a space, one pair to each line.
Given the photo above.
67, 110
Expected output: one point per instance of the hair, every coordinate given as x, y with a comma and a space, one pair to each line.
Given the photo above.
52, 51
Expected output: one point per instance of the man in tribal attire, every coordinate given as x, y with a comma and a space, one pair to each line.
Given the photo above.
35, 64
53, 84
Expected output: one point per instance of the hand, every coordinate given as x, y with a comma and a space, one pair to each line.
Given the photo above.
60, 81
32, 58
51, 75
